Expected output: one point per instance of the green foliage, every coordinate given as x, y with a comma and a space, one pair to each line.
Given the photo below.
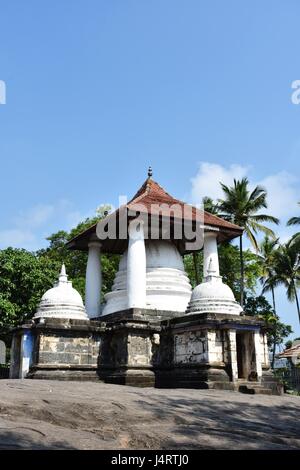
24, 277
294, 220
210, 206
276, 331
287, 268
229, 259
242, 206
280, 373
259, 306
267, 259
193, 265
75, 260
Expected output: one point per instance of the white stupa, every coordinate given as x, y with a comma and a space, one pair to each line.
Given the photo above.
213, 296
167, 284
62, 301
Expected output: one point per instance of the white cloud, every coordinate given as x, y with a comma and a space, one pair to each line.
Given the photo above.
208, 178
30, 228
283, 194
36, 216
282, 188
17, 238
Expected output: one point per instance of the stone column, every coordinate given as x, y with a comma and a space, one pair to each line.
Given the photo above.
258, 354
266, 351
136, 266
210, 252
93, 281
232, 355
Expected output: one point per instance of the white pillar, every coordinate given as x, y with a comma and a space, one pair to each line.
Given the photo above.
210, 254
232, 353
136, 266
266, 350
26, 353
258, 354
93, 281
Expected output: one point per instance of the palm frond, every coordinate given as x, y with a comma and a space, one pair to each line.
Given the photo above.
293, 221
265, 218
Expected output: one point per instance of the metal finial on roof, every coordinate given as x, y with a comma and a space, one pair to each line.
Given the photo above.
150, 172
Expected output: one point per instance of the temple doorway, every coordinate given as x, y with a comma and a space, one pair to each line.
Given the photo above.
245, 351
15, 367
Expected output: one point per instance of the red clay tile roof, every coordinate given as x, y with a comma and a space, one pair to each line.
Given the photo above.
151, 194
294, 351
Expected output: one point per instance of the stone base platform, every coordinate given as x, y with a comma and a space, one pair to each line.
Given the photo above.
141, 348
64, 373
131, 377
194, 377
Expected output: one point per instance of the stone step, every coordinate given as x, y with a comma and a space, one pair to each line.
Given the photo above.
256, 389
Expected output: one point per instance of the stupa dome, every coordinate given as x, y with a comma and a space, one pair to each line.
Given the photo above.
213, 296
168, 287
62, 301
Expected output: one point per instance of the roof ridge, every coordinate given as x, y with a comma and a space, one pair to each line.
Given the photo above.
149, 186
146, 188
140, 191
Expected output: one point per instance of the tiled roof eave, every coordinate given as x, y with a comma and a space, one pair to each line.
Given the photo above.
152, 193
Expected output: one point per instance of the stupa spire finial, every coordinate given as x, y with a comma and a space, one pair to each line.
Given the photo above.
211, 271
63, 274
210, 267
150, 172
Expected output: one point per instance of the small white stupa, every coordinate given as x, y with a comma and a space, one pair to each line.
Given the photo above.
213, 296
62, 301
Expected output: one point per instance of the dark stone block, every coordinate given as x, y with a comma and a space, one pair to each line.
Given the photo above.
58, 358
60, 347
75, 348
131, 377
85, 359
194, 377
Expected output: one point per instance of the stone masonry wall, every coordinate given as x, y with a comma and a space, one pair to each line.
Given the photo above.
264, 350
68, 349
139, 350
215, 346
190, 347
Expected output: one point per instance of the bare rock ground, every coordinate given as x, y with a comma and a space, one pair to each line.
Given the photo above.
39, 414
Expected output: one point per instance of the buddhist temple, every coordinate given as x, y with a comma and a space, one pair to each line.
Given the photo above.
152, 328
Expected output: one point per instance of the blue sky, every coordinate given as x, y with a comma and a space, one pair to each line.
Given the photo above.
98, 90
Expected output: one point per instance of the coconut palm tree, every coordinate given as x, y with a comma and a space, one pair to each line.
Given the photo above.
242, 206
210, 206
295, 221
266, 258
287, 270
